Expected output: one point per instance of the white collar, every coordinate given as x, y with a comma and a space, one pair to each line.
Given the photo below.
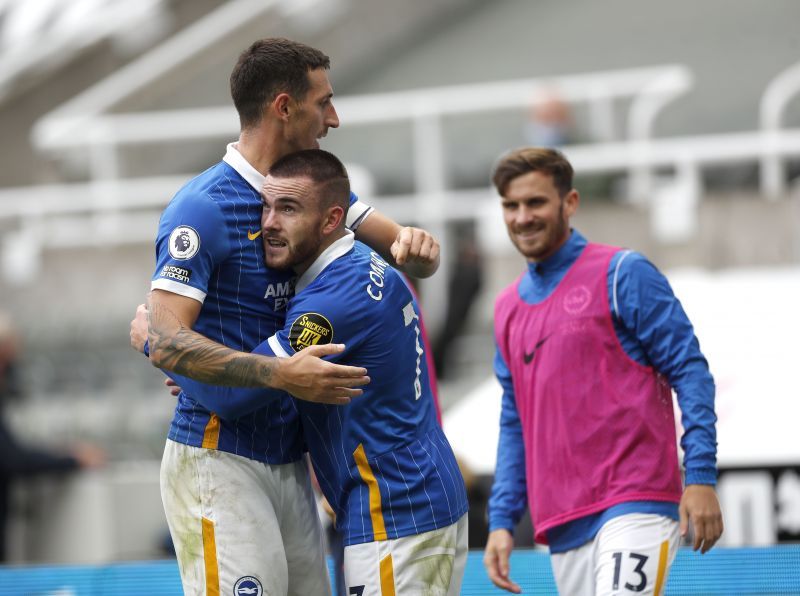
328, 256
237, 161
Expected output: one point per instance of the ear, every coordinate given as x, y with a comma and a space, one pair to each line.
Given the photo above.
281, 106
332, 219
571, 202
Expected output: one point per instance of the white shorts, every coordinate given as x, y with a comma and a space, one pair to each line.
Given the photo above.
431, 563
240, 526
631, 554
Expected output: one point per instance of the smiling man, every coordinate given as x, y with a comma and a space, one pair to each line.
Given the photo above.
589, 340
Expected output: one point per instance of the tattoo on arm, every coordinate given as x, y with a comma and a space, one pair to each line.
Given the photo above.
175, 347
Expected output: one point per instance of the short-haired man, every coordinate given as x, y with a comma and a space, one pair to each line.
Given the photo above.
236, 491
382, 462
590, 340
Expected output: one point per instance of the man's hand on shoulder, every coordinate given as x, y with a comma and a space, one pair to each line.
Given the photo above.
306, 376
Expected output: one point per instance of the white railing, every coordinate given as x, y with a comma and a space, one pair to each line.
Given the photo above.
99, 137
68, 28
70, 117
779, 92
649, 90
82, 130
100, 211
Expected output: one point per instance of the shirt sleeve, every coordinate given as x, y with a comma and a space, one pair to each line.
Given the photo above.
645, 307
357, 213
192, 241
323, 313
509, 493
229, 403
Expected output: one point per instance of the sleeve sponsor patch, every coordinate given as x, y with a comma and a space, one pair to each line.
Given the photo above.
179, 274
310, 329
184, 242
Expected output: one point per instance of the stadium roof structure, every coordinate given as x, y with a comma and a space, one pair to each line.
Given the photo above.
38, 37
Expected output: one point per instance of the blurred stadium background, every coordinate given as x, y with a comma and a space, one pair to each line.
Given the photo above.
682, 120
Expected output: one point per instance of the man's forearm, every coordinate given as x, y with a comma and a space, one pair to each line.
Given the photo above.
177, 348
228, 403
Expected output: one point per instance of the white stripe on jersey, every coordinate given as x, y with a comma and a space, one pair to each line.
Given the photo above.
441, 480
331, 454
347, 467
424, 487
356, 215
388, 494
338, 411
361, 488
408, 491
175, 287
224, 197
446, 467
262, 266
191, 423
239, 276
277, 348
614, 283
277, 404
330, 458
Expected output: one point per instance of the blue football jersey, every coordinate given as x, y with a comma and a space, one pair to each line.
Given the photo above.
382, 461
209, 248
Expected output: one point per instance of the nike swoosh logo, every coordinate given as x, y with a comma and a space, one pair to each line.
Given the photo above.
253, 235
528, 357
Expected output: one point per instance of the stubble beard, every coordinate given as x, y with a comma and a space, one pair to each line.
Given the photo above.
297, 254
550, 243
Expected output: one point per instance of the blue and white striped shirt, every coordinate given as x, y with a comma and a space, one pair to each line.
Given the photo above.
382, 461
209, 249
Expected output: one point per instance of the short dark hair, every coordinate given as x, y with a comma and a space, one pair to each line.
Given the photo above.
533, 159
323, 168
268, 67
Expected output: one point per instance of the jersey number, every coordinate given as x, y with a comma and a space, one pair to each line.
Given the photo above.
356, 590
638, 570
410, 316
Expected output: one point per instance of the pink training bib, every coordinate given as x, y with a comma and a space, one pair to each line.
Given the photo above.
598, 427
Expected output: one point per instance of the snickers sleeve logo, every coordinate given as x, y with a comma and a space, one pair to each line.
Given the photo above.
310, 329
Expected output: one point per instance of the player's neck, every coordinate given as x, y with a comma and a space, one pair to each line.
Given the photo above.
259, 149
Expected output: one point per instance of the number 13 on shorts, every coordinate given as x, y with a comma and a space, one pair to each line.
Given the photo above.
634, 558
631, 554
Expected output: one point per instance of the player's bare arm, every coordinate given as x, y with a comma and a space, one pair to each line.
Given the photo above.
700, 506
176, 347
412, 250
